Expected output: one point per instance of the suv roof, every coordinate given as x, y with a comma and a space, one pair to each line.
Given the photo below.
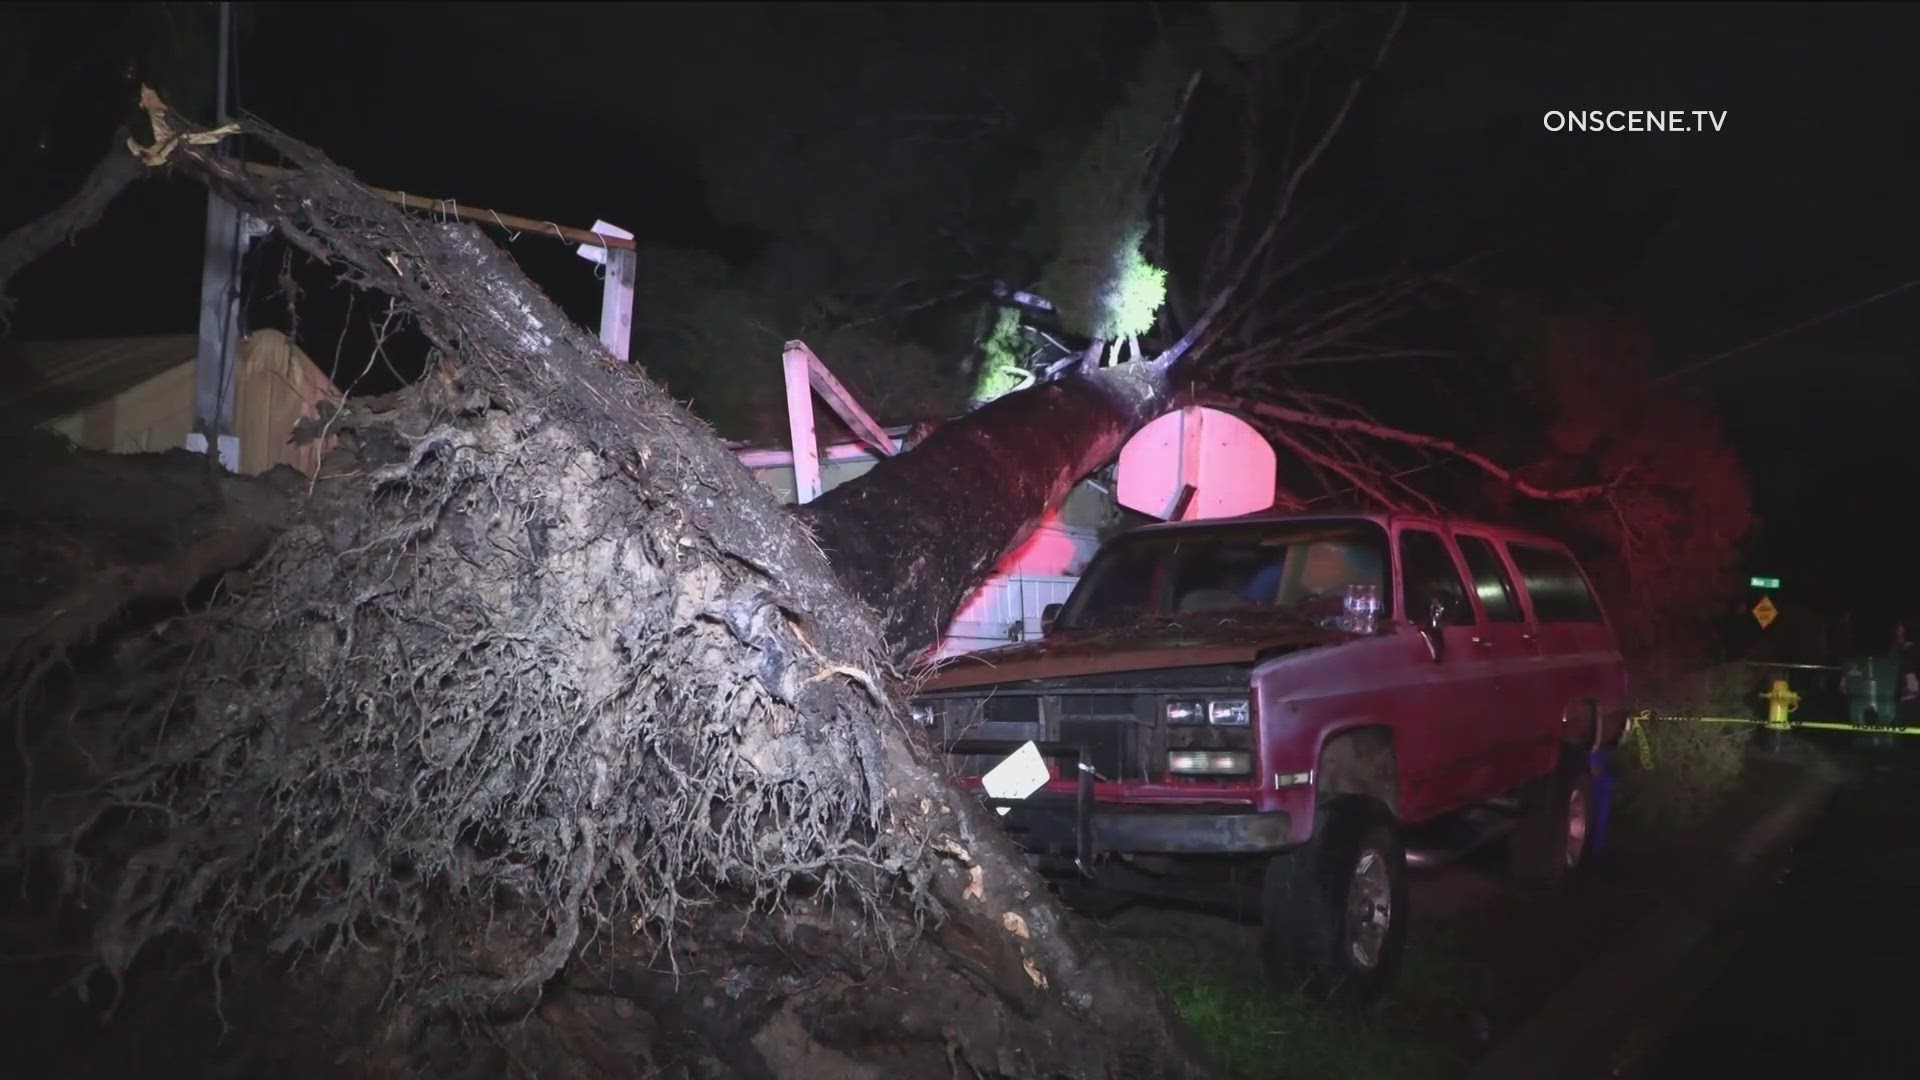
1383, 518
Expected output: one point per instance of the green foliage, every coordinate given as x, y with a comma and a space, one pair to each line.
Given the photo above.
1138, 290
962, 100
895, 379
1663, 542
1695, 767
714, 337
1104, 286
889, 147
1099, 278
1258, 1033
1675, 772
1004, 369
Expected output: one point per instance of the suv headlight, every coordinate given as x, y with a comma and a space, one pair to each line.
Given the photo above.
1186, 711
1229, 712
1209, 762
1226, 712
923, 713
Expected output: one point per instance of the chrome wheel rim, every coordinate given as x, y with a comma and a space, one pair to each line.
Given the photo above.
1576, 826
1369, 909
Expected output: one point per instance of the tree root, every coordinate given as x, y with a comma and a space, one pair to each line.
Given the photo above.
517, 693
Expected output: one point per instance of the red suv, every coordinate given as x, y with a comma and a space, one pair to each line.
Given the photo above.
1278, 713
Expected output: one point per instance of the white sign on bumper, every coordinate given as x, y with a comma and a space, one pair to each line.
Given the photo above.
1022, 773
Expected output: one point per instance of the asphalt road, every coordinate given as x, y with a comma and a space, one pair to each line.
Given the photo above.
1825, 978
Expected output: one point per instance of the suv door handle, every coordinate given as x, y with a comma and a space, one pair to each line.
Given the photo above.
1483, 642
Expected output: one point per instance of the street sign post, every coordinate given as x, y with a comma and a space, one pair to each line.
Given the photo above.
1764, 612
1763, 583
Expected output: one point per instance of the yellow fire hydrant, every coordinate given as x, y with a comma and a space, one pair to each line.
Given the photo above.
1781, 700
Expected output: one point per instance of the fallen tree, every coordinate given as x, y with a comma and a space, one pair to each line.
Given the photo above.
920, 531
540, 703
106, 181
117, 530
538, 700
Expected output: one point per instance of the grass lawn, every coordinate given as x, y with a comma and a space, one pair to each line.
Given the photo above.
1257, 1033
1480, 954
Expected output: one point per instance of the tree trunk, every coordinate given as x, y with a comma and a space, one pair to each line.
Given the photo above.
543, 714
921, 530
111, 175
87, 534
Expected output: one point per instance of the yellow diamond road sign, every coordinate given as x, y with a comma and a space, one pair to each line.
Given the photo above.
1764, 613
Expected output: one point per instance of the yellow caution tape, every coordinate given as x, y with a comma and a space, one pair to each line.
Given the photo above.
1637, 725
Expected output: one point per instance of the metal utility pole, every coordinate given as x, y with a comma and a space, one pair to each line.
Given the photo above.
226, 243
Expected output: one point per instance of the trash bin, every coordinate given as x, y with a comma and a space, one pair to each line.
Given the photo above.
1873, 690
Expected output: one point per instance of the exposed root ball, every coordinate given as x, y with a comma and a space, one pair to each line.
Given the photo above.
536, 677
502, 675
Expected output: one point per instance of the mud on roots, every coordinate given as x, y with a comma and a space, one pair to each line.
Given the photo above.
496, 682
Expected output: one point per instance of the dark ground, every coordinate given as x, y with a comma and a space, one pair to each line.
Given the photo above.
1822, 979
1483, 958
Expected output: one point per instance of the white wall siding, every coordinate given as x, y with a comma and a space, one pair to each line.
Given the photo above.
1007, 606
1006, 609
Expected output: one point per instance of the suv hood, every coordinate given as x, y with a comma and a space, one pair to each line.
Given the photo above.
1143, 648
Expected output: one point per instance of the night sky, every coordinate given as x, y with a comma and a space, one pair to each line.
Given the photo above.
652, 116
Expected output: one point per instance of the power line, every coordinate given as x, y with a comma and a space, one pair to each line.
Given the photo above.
1783, 332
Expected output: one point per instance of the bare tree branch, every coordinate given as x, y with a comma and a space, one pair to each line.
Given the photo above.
116, 170
1237, 196
1169, 142
1330, 463
1354, 323
1288, 191
1385, 433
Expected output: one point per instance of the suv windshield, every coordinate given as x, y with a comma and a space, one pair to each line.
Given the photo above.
1230, 571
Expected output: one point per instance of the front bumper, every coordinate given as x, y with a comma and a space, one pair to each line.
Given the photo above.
1073, 826
1190, 832
1050, 824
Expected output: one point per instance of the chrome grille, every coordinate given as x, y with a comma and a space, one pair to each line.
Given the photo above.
1116, 719
1010, 709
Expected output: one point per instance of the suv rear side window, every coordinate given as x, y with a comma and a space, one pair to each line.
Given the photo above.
1490, 579
1554, 581
1431, 574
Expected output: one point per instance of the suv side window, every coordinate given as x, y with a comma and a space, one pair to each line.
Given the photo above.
1430, 573
1554, 581
1490, 580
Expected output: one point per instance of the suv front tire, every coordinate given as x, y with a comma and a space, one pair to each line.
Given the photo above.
1334, 913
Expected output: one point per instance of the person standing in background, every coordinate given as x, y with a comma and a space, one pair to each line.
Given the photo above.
1908, 694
